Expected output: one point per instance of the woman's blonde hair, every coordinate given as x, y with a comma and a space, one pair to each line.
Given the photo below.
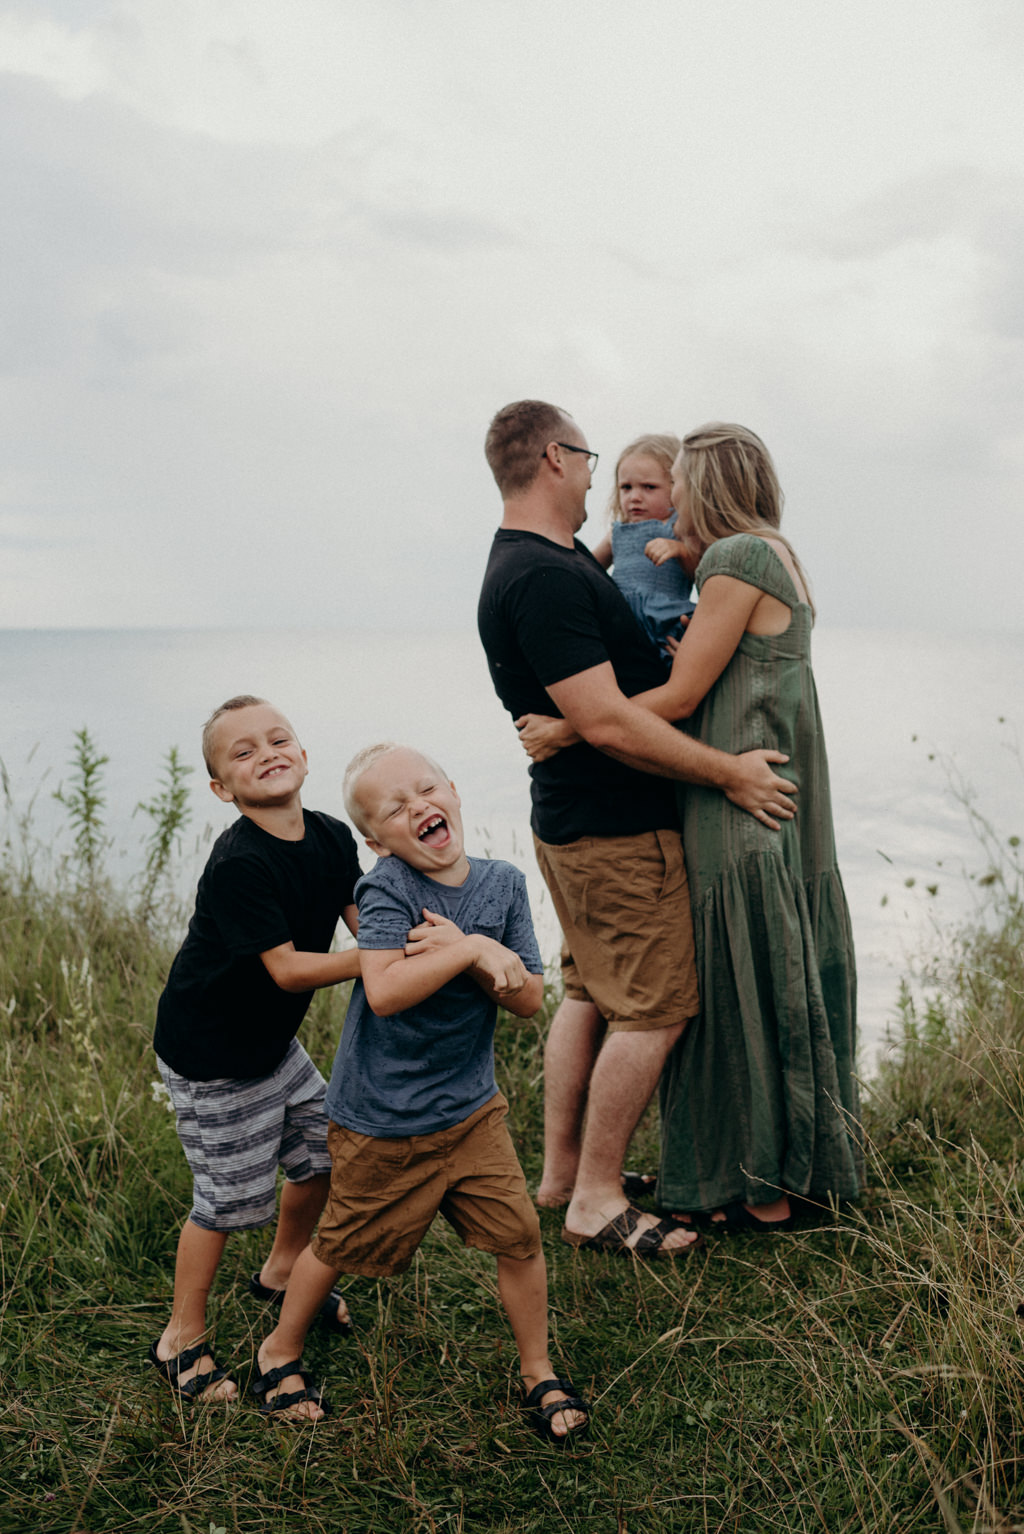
732, 486
662, 446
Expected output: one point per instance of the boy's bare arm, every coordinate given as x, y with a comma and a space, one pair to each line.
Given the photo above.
524, 1002
294, 970
436, 931
395, 981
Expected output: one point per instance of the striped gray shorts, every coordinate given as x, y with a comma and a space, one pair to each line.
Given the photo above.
235, 1135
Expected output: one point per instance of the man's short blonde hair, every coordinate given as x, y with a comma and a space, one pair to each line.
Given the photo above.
361, 763
243, 700
517, 439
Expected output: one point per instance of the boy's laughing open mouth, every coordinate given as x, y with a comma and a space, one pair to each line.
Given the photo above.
435, 832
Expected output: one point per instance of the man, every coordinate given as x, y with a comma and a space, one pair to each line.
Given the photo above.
560, 638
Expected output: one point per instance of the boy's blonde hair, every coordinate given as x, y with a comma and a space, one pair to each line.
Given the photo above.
243, 700
661, 445
732, 485
360, 764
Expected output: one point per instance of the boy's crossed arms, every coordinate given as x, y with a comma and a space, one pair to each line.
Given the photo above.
442, 951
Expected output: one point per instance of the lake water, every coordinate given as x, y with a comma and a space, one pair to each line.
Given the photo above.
899, 708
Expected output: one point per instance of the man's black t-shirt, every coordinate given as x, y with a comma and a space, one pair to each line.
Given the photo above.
546, 613
220, 1013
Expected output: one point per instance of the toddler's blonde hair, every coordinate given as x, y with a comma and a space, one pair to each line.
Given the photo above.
660, 445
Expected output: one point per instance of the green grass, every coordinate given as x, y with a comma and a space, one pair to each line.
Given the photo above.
862, 1375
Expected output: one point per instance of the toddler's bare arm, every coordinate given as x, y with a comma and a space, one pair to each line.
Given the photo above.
602, 551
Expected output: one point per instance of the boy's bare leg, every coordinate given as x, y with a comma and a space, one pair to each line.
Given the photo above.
623, 1080
199, 1252
573, 1042
523, 1286
310, 1283
301, 1206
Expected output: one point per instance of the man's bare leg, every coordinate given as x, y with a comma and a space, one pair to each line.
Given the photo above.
621, 1086
573, 1043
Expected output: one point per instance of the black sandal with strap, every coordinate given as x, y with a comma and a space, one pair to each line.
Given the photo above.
327, 1314
280, 1403
540, 1416
614, 1237
171, 1368
639, 1184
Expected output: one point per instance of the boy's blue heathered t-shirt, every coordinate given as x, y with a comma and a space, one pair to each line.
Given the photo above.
430, 1067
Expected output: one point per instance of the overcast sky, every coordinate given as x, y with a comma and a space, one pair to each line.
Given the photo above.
269, 267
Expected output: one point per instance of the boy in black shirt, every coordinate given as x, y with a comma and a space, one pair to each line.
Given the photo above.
247, 1096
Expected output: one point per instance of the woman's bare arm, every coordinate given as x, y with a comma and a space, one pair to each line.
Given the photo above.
710, 642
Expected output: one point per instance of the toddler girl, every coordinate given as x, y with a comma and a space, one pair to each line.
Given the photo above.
650, 565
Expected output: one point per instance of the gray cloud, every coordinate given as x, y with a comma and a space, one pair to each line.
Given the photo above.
252, 324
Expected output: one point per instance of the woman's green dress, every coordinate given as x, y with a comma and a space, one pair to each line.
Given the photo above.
759, 1095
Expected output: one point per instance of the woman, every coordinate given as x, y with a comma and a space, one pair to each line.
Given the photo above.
759, 1098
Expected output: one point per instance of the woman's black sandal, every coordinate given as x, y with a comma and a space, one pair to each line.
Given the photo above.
639, 1184
738, 1218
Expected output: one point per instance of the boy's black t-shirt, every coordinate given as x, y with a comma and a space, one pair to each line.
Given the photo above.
220, 1013
546, 613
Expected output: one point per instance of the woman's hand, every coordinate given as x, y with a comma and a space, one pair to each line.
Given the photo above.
541, 736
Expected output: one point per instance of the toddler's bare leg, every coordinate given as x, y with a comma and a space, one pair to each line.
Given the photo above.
310, 1283
523, 1286
199, 1252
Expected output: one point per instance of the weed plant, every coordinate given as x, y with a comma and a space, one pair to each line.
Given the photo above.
863, 1374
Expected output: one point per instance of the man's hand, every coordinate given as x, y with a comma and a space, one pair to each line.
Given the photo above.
433, 932
759, 790
541, 735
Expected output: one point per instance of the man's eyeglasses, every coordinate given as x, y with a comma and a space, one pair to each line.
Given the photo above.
569, 448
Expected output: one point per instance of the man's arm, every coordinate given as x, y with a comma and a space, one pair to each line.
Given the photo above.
295, 971
599, 712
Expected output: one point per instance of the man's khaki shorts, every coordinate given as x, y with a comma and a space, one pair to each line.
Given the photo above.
385, 1193
624, 906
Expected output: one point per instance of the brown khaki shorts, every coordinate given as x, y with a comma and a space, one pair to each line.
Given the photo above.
385, 1193
624, 906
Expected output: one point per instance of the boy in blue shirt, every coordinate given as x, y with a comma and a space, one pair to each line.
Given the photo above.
417, 1122
246, 1095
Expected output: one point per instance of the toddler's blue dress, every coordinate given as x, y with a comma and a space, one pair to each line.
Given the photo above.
657, 594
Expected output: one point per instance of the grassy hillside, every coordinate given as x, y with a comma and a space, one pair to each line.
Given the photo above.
863, 1374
